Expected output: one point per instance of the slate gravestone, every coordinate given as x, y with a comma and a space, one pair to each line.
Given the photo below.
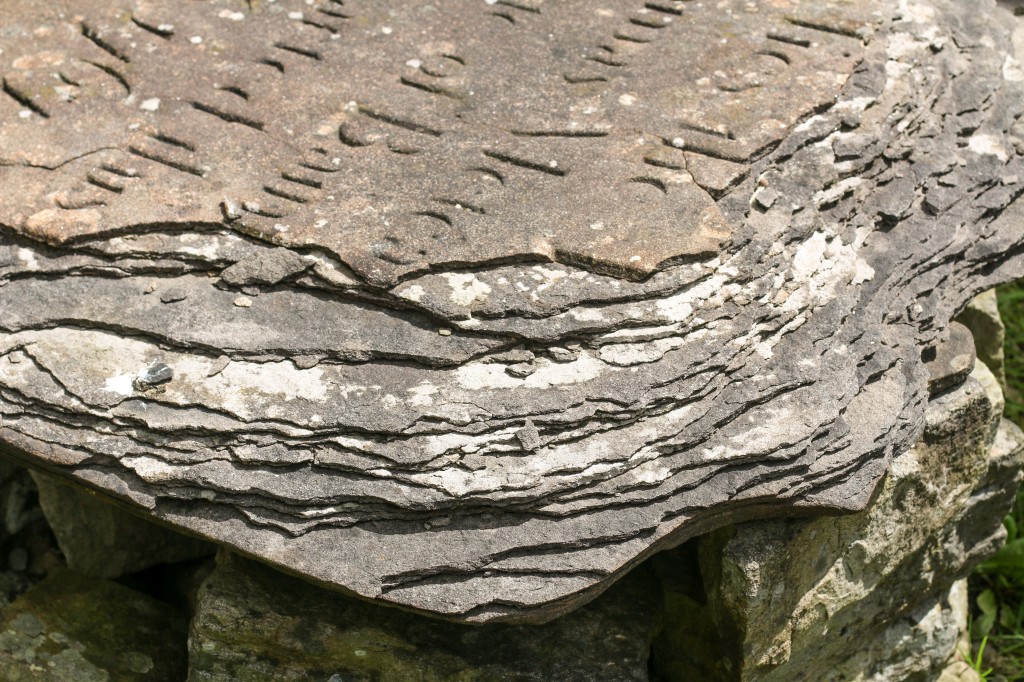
470, 307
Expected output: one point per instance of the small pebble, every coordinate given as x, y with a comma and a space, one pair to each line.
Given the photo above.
444, 332
231, 209
559, 354
173, 295
513, 356
765, 197
243, 302
520, 370
155, 374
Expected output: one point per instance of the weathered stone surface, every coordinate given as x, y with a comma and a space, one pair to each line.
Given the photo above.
951, 360
78, 629
253, 623
420, 155
870, 596
100, 540
523, 354
981, 316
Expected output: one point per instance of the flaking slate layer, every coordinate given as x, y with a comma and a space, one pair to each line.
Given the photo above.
465, 380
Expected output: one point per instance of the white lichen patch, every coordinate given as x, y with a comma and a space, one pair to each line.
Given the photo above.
916, 12
809, 123
412, 293
422, 394
461, 482
279, 379
679, 307
820, 266
650, 473
567, 457
466, 288
96, 365
209, 247
545, 278
120, 384
988, 145
1012, 70
763, 340
351, 442
770, 428
902, 45
584, 314
855, 104
28, 257
151, 469
440, 444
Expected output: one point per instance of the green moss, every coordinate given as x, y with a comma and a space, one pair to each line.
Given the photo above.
254, 623
79, 629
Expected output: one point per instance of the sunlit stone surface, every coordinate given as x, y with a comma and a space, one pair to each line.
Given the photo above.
470, 307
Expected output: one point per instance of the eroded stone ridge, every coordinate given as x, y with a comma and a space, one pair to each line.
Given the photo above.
424, 364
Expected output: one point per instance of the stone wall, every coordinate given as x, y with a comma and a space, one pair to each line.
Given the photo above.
877, 595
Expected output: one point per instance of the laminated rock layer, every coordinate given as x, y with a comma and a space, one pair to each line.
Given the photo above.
471, 308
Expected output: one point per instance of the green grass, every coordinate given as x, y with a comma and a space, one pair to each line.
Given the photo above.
977, 660
1011, 308
997, 586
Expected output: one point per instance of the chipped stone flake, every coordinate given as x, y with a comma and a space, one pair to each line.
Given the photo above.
477, 376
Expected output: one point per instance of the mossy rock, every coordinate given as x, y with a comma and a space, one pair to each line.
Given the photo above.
254, 624
73, 628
